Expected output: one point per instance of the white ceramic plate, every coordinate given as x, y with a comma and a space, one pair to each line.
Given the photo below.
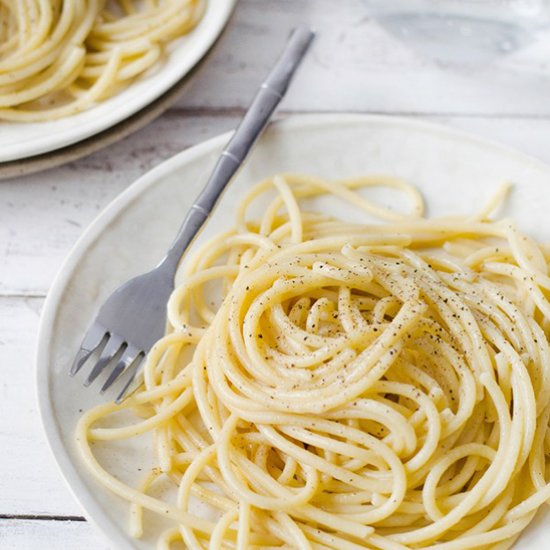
23, 140
456, 172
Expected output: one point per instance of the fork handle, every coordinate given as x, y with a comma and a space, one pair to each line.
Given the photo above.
251, 126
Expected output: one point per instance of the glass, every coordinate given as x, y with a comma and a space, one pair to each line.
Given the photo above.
462, 31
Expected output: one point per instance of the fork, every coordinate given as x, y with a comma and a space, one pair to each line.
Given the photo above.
134, 317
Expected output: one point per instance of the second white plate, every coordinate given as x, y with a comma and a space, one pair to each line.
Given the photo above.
23, 140
455, 172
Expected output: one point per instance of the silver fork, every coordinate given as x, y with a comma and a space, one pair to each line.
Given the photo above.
133, 318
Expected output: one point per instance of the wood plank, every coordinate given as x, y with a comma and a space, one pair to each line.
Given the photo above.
50, 535
30, 482
42, 215
357, 65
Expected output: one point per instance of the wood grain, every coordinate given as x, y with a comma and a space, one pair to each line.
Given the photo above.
356, 65
30, 482
50, 535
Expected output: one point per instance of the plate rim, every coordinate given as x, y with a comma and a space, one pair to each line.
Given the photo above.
90, 508
39, 145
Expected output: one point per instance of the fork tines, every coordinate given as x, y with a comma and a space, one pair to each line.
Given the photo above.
127, 358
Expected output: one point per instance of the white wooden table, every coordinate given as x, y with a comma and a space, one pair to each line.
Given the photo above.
354, 66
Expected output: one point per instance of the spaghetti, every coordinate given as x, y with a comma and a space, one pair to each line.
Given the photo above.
382, 386
60, 57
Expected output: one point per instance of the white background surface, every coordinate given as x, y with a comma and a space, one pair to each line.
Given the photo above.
355, 66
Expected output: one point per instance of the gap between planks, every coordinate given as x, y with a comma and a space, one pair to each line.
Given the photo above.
41, 517
221, 112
